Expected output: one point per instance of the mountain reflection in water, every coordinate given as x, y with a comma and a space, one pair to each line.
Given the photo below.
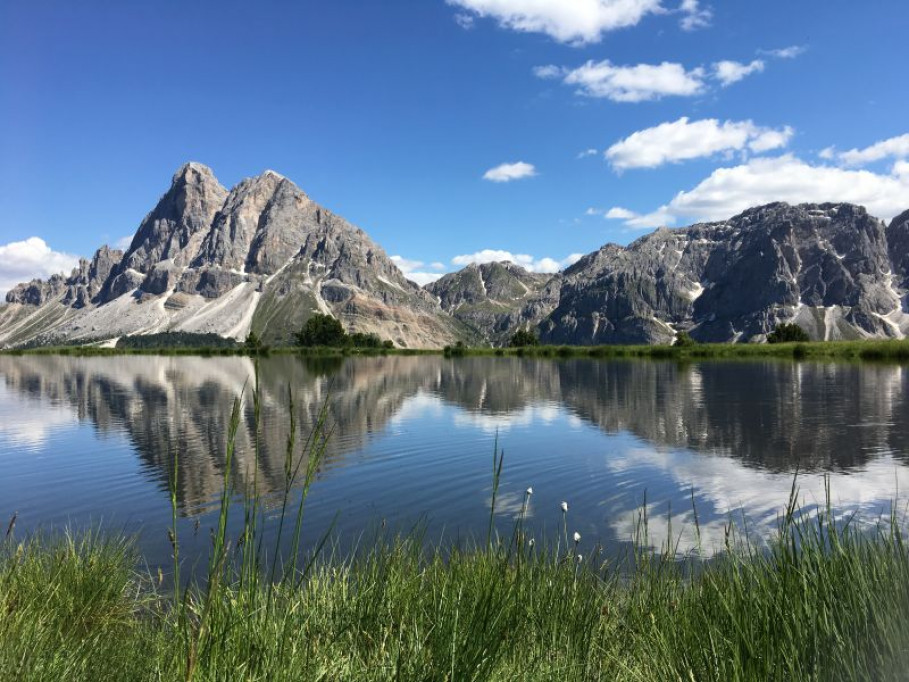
414, 436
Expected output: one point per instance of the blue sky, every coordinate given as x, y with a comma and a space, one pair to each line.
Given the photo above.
448, 130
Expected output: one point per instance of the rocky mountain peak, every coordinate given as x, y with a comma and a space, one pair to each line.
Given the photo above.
488, 296
898, 241
174, 229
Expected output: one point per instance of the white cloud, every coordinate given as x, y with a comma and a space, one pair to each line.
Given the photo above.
465, 21
436, 265
637, 83
31, 258
411, 270
123, 243
659, 218
548, 71
790, 52
892, 148
684, 139
576, 22
619, 213
507, 172
828, 153
526, 261
728, 191
588, 152
728, 72
695, 16
647, 82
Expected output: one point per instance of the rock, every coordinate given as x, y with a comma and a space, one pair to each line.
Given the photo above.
266, 245
175, 228
489, 297
37, 292
898, 243
826, 267
265, 257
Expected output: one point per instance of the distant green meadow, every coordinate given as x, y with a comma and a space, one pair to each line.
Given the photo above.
892, 350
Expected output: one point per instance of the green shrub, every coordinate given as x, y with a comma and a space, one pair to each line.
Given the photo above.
523, 338
788, 333
322, 330
684, 340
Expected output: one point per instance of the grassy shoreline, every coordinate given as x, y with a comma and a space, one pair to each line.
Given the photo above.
876, 350
825, 603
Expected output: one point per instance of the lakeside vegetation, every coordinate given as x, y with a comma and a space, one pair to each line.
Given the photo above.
875, 350
827, 599
824, 604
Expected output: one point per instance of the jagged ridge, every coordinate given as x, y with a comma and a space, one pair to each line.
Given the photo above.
262, 256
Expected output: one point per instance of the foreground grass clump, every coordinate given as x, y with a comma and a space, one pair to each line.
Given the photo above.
823, 604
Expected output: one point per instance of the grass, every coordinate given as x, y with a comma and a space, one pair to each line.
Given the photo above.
872, 350
893, 350
827, 600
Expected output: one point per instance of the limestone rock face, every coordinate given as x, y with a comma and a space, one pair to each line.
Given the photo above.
489, 297
826, 267
78, 290
176, 227
260, 257
265, 257
898, 242
37, 292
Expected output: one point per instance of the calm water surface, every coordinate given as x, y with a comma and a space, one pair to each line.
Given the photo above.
92, 440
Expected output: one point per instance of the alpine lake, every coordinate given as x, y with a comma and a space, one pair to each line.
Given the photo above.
692, 447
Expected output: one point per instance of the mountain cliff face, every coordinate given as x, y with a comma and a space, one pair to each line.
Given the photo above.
262, 256
832, 269
489, 297
828, 268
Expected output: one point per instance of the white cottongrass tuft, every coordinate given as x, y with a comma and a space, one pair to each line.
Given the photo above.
529, 491
531, 542
580, 558
577, 537
564, 507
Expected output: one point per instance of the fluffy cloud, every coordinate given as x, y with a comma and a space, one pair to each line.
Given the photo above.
638, 83
525, 261
31, 258
412, 270
578, 22
694, 16
728, 72
465, 21
728, 191
123, 243
588, 152
684, 139
647, 82
892, 148
786, 52
507, 172
619, 213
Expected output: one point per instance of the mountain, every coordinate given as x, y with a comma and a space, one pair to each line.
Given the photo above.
262, 256
831, 268
489, 297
